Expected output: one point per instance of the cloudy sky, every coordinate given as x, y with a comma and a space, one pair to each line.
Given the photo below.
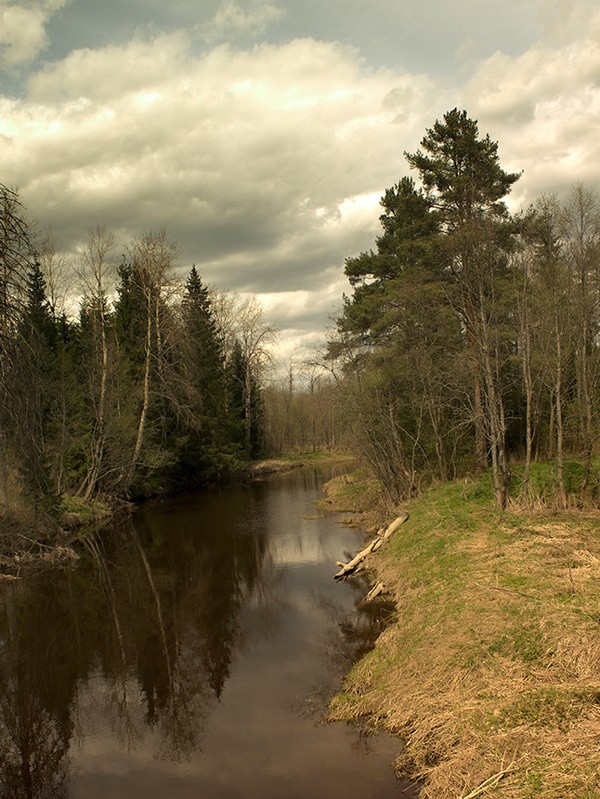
261, 135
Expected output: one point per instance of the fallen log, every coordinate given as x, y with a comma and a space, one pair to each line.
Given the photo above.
372, 546
377, 589
350, 567
391, 529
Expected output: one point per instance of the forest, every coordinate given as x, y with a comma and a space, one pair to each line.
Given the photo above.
156, 383
470, 338
468, 341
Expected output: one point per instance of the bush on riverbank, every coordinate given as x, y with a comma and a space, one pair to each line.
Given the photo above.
492, 669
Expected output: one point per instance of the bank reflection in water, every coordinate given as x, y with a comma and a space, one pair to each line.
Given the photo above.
139, 639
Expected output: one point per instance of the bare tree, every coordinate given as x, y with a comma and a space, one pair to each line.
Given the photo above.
557, 328
581, 221
59, 274
15, 255
152, 259
96, 273
242, 318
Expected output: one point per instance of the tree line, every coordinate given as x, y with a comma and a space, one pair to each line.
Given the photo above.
470, 340
154, 384
303, 411
471, 336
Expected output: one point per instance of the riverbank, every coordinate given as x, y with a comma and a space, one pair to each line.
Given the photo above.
491, 672
286, 463
30, 541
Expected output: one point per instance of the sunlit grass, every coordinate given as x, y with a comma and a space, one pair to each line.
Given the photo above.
495, 656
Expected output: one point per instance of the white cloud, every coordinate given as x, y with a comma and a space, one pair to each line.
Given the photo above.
266, 165
112, 73
564, 21
23, 29
255, 161
544, 108
231, 19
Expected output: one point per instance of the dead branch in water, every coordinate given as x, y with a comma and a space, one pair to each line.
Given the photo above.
383, 536
377, 589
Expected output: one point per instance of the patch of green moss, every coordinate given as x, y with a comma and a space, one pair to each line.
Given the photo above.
85, 510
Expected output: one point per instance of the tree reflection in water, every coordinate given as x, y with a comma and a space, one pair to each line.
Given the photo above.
154, 615
136, 642
36, 693
345, 639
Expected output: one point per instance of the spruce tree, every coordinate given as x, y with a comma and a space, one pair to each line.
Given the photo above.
205, 375
38, 388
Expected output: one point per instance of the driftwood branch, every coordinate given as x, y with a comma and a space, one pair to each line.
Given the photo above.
491, 782
350, 567
391, 529
384, 535
377, 589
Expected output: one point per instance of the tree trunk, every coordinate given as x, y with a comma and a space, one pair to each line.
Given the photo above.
560, 483
89, 484
496, 421
146, 398
248, 410
3, 470
481, 454
527, 384
558, 401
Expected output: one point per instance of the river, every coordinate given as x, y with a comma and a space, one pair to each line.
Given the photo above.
187, 655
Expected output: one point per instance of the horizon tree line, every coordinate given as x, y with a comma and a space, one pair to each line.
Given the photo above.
470, 340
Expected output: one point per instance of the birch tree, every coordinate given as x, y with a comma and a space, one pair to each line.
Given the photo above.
96, 273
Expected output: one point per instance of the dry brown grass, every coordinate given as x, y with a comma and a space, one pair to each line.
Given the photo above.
357, 494
491, 674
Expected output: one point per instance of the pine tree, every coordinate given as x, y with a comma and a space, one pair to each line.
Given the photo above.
464, 179
39, 387
205, 377
236, 379
403, 334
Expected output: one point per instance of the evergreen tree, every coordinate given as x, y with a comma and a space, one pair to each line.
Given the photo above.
37, 321
39, 387
462, 173
205, 351
404, 338
204, 370
405, 253
430, 305
236, 379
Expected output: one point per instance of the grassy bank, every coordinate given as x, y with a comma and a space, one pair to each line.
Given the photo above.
30, 540
491, 671
296, 461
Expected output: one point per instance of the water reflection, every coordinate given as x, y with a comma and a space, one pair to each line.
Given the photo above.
141, 637
348, 636
35, 700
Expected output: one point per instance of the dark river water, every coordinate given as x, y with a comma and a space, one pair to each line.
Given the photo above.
187, 655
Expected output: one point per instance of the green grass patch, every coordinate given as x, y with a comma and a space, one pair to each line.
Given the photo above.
549, 706
493, 644
85, 510
543, 479
318, 456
